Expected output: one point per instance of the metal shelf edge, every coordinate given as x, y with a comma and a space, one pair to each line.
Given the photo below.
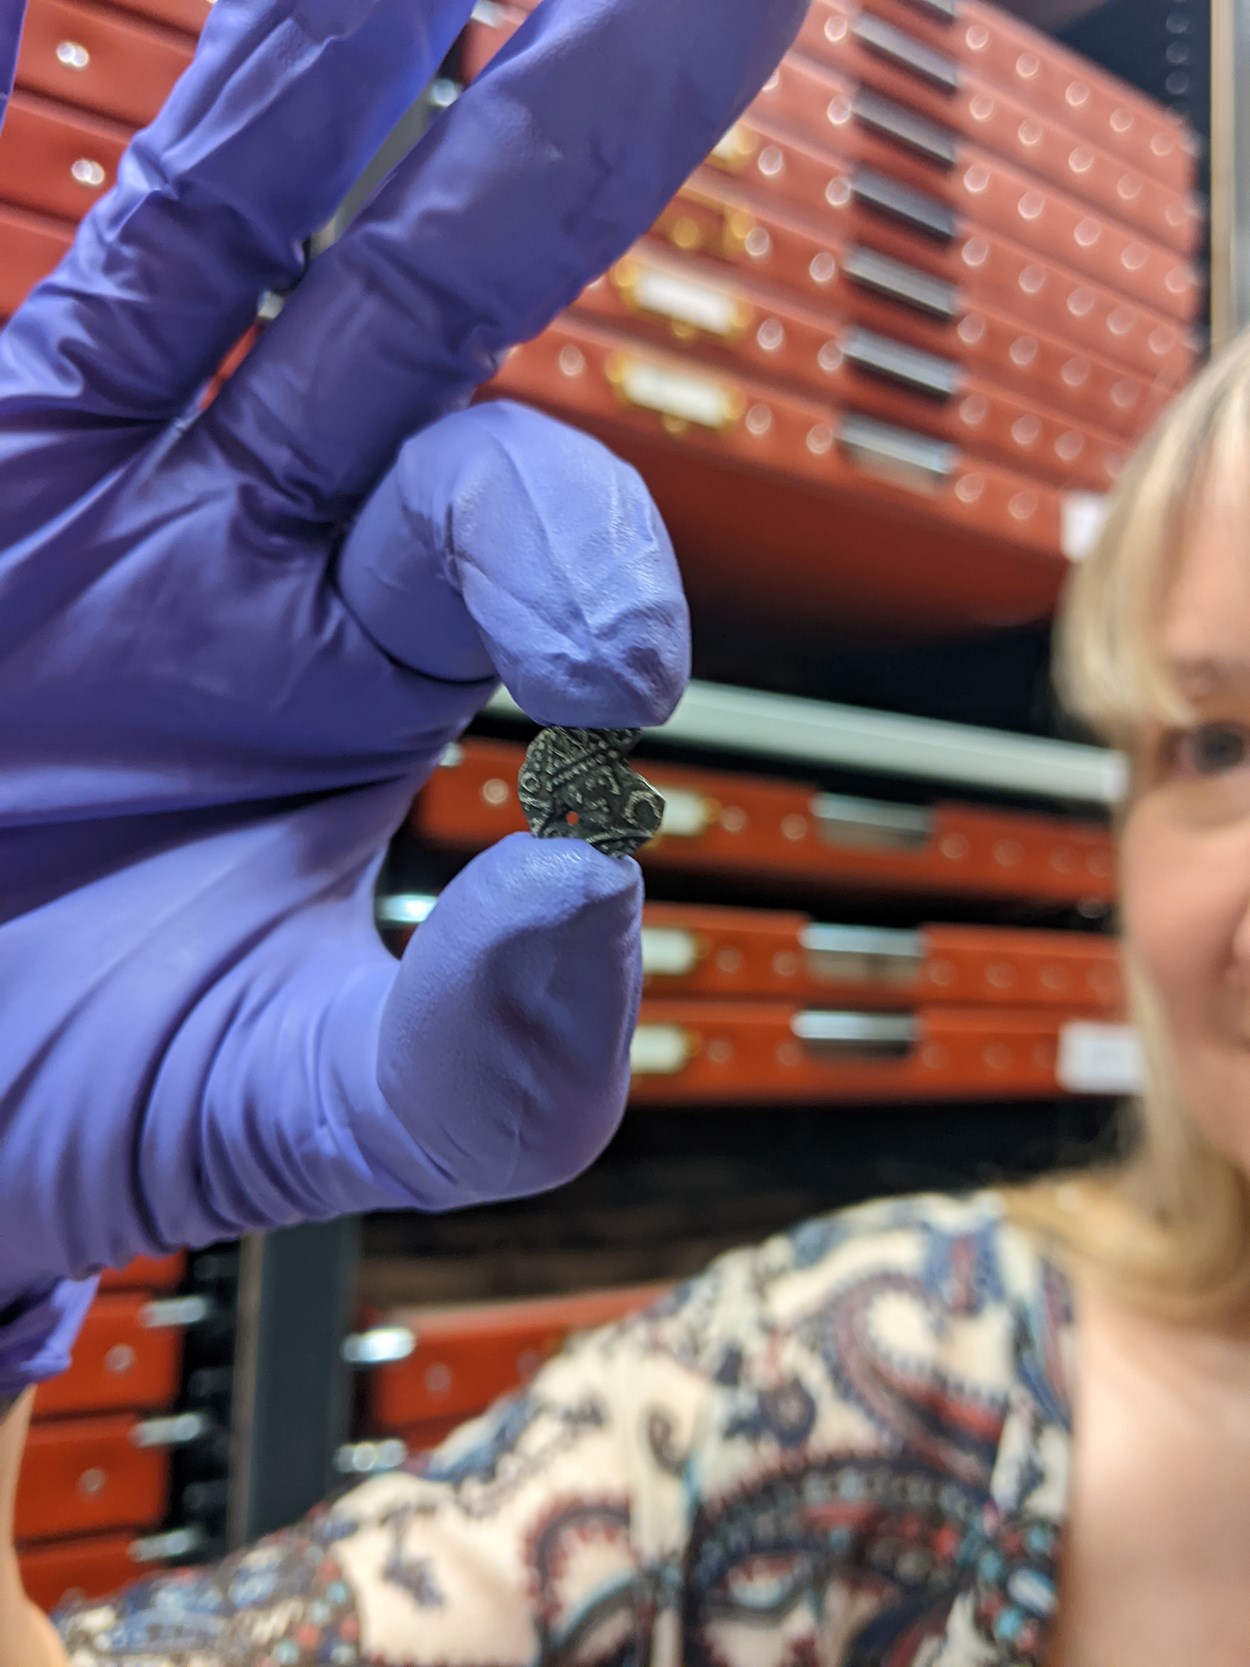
813, 732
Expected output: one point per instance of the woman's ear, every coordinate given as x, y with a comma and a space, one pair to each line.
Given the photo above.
27, 1638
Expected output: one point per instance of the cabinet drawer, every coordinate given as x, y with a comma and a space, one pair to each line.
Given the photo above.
655, 294
146, 1273
55, 159
761, 829
463, 1360
32, 244
96, 1565
1011, 54
938, 105
87, 1475
127, 1357
715, 1054
744, 232
701, 951
88, 1568
187, 15
98, 60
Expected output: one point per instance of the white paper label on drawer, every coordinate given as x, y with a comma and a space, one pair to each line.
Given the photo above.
693, 399
686, 814
1099, 1059
685, 300
668, 952
658, 1051
1082, 516
728, 147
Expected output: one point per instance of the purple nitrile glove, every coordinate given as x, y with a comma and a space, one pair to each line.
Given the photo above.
10, 38
234, 643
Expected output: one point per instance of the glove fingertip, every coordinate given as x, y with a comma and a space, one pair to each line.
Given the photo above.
504, 1047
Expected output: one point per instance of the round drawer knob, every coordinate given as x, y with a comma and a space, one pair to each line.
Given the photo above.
120, 1359
88, 173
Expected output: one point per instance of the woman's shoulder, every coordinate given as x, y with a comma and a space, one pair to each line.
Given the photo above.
885, 1228
945, 1281
889, 1396
962, 1248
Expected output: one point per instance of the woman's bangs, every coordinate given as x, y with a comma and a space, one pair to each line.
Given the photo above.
1110, 668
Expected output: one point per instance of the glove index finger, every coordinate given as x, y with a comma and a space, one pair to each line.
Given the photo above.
504, 543
557, 157
283, 106
11, 14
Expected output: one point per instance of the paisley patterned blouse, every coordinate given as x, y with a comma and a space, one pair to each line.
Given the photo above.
845, 1448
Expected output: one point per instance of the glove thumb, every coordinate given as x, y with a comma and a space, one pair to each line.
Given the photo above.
504, 1045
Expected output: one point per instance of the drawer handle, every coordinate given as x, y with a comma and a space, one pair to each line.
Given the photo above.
180, 1430
891, 197
88, 173
896, 46
916, 459
897, 122
946, 11
868, 824
383, 1346
73, 55
402, 909
161, 1548
901, 282
175, 1313
687, 304
853, 954
856, 1035
898, 362
369, 1458
679, 396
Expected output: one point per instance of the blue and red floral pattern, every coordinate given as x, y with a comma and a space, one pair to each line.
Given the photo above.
845, 1448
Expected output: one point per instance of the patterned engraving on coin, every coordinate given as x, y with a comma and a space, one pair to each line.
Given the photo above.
577, 784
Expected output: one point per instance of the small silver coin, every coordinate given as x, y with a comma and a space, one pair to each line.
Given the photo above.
578, 784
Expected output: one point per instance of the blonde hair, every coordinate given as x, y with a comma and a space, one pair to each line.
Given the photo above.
1166, 1224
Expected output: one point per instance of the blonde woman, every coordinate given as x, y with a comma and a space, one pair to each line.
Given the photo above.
942, 1432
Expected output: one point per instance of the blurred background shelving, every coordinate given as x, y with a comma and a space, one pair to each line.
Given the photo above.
879, 363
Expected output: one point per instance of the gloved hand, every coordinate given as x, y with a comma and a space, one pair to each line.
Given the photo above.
234, 642
10, 40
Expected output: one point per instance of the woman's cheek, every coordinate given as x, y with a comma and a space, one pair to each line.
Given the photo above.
1173, 917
